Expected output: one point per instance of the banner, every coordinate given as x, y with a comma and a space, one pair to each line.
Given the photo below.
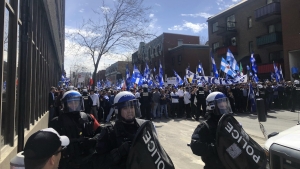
146, 151
222, 81
236, 149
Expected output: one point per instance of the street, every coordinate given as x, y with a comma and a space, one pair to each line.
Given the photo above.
175, 134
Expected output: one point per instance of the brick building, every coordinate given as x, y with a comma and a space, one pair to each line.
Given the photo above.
117, 71
168, 47
268, 28
101, 75
180, 57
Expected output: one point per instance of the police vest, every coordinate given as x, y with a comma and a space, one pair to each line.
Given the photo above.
76, 129
122, 135
200, 94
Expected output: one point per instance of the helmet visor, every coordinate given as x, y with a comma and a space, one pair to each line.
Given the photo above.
223, 106
129, 109
74, 104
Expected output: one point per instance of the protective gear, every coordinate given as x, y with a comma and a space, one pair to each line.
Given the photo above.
218, 103
70, 88
80, 129
145, 86
203, 143
120, 152
260, 86
200, 85
296, 82
72, 101
126, 101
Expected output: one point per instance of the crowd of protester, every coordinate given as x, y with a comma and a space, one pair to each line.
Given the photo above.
185, 102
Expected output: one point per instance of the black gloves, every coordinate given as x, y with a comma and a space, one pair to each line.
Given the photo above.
118, 153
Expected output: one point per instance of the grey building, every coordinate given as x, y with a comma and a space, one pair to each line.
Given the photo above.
32, 33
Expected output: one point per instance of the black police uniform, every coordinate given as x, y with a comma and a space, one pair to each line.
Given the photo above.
203, 143
201, 102
262, 95
281, 96
78, 126
295, 96
146, 98
288, 101
114, 143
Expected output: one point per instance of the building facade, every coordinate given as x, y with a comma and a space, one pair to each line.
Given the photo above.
117, 71
32, 34
101, 75
166, 47
261, 27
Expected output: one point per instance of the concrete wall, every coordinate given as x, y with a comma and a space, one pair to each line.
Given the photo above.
8, 152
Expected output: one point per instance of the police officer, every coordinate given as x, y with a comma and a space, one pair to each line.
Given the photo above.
204, 136
262, 95
80, 128
295, 94
288, 92
85, 96
114, 141
201, 103
146, 98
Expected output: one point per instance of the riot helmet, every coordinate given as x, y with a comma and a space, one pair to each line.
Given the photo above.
260, 86
218, 104
72, 101
145, 87
127, 106
296, 82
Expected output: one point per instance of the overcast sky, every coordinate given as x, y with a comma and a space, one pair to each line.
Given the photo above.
178, 16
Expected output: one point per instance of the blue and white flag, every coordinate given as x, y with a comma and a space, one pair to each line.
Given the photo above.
147, 72
214, 66
178, 78
280, 73
98, 84
276, 71
251, 96
230, 58
202, 71
161, 76
253, 64
189, 75
199, 69
136, 76
255, 78
225, 67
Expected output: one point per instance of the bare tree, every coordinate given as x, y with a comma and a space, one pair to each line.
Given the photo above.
118, 29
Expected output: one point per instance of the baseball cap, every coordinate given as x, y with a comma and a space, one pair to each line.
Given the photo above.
44, 144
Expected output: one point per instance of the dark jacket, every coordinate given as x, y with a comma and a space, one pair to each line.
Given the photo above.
203, 143
51, 99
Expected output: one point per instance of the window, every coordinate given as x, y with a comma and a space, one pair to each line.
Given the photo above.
231, 22
271, 28
250, 22
149, 53
271, 1
180, 42
251, 47
275, 28
215, 27
179, 59
153, 52
215, 46
173, 60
